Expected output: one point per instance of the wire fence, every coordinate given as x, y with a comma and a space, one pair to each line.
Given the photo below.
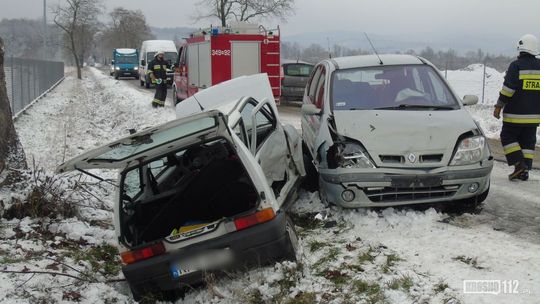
28, 79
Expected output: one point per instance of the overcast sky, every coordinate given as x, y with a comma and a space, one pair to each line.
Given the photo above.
467, 18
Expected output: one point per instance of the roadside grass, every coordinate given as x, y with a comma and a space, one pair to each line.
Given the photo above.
440, 287
372, 291
316, 245
473, 262
403, 282
103, 259
367, 257
391, 261
330, 256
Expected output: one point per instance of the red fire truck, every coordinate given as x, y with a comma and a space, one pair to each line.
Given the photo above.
218, 54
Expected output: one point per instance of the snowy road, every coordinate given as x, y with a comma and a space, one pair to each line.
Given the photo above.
365, 256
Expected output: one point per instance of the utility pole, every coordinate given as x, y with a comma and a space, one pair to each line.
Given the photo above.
45, 50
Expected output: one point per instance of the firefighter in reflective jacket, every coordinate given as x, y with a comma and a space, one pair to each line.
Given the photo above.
520, 98
157, 70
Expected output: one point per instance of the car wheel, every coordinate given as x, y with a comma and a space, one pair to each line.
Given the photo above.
137, 77
142, 82
116, 76
293, 249
471, 205
311, 180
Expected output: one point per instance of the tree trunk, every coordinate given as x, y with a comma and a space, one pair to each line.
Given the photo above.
11, 151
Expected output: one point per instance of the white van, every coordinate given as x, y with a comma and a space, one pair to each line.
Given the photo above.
149, 48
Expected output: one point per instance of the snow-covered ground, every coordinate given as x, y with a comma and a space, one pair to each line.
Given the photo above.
348, 256
469, 81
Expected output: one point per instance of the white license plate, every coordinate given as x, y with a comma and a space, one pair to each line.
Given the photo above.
208, 260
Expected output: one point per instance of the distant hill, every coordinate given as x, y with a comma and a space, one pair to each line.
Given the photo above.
171, 33
415, 41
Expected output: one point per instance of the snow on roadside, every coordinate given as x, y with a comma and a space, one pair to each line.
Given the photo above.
469, 81
396, 255
76, 116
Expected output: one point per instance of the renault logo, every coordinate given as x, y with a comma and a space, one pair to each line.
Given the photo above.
412, 158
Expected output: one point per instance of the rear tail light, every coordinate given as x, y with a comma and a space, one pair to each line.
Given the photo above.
253, 219
133, 256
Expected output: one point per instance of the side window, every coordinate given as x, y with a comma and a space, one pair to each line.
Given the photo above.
319, 97
179, 58
265, 122
241, 132
313, 84
132, 183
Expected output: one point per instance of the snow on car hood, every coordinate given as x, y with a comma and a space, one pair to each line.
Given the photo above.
224, 96
399, 132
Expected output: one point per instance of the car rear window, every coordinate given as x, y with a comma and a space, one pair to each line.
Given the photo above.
390, 86
302, 70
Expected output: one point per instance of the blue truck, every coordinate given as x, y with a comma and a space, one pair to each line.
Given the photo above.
125, 63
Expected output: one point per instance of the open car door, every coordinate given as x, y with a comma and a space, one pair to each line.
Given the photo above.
151, 143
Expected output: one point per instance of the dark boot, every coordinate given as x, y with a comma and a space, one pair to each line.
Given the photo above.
519, 169
524, 176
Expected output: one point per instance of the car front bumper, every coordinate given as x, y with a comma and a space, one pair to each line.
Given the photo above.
383, 187
256, 245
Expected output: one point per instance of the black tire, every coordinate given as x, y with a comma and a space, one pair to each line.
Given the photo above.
471, 205
291, 252
142, 82
311, 181
137, 77
116, 76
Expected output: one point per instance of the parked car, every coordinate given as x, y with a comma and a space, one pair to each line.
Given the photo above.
205, 192
295, 75
386, 131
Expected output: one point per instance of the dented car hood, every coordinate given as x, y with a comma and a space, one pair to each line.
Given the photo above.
399, 132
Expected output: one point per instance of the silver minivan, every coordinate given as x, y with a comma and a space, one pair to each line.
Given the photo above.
386, 131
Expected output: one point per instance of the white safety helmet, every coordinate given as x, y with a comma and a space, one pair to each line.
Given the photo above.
158, 53
528, 44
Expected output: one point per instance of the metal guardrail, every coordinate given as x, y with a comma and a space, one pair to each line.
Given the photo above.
28, 79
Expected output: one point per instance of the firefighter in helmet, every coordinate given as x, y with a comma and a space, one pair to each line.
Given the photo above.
157, 70
519, 99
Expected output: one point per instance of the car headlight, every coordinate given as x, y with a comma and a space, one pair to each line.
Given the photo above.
136, 68
117, 68
469, 151
352, 155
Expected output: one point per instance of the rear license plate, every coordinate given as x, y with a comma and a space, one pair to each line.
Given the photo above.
416, 181
207, 260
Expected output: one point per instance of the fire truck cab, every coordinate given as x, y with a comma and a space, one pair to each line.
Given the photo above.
217, 54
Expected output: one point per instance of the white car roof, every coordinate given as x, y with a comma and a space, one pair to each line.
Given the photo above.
226, 95
159, 45
372, 60
126, 51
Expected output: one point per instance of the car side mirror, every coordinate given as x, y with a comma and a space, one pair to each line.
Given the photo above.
143, 62
470, 100
310, 109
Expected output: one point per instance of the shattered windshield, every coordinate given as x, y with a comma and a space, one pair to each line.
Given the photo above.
138, 144
390, 87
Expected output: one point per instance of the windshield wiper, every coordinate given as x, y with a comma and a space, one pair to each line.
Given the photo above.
408, 106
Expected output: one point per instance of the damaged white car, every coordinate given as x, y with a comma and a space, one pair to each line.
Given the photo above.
205, 192
386, 131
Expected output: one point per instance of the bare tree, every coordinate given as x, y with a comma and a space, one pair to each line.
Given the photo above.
11, 152
78, 20
129, 28
245, 10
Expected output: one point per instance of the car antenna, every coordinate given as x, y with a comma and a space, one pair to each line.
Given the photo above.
374, 49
